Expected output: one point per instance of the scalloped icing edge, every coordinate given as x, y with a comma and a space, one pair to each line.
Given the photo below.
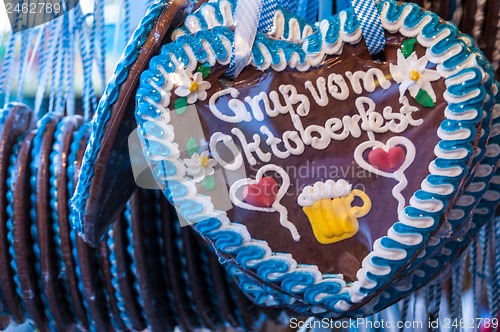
483, 213
331, 291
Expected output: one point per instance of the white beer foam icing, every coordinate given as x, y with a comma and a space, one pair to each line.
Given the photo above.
324, 190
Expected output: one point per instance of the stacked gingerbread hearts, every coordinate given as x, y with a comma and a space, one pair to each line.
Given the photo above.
333, 180
147, 273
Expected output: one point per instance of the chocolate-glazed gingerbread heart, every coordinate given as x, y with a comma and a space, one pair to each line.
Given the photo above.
72, 143
322, 106
106, 180
23, 241
45, 248
15, 119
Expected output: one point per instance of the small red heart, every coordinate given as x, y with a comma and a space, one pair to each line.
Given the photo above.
262, 193
389, 161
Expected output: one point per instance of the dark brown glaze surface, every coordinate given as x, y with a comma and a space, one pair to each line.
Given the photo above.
23, 241
125, 275
64, 225
196, 282
345, 256
185, 317
144, 229
17, 122
53, 288
467, 22
93, 286
112, 180
104, 252
220, 290
442, 8
490, 32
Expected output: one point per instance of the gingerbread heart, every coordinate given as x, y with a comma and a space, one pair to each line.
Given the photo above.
372, 152
106, 182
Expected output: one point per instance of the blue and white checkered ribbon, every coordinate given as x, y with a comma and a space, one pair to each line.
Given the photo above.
267, 14
250, 16
292, 5
371, 25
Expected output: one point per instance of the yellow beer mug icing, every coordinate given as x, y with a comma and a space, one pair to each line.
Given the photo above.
328, 205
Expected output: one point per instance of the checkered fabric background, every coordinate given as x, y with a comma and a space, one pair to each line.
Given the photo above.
369, 18
266, 16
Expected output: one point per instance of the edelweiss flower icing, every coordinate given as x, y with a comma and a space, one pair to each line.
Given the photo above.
314, 119
193, 88
412, 75
199, 166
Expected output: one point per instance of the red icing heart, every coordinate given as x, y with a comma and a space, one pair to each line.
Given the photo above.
262, 193
387, 161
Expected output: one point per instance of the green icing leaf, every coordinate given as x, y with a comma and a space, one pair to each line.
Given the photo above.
192, 146
181, 105
408, 46
209, 182
424, 99
204, 69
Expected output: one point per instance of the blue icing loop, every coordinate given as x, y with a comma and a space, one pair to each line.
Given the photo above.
332, 34
275, 266
208, 225
246, 254
416, 16
37, 141
290, 282
130, 251
76, 144
226, 240
10, 210
325, 287
56, 150
351, 24
288, 16
115, 280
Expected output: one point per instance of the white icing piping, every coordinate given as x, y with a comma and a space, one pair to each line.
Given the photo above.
324, 190
276, 206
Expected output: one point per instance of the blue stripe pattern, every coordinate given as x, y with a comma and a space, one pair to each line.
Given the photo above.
311, 13
267, 14
371, 25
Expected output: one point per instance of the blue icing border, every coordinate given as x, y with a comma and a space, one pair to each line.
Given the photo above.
103, 112
427, 269
183, 268
35, 151
10, 211
455, 223
115, 281
211, 14
56, 150
133, 266
336, 295
76, 144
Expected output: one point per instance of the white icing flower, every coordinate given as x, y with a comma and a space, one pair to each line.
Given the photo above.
199, 166
324, 190
193, 88
413, 75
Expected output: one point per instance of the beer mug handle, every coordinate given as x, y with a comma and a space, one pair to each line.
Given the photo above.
360, 211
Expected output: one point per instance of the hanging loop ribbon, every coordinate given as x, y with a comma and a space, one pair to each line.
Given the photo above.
250, 16
371, 25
